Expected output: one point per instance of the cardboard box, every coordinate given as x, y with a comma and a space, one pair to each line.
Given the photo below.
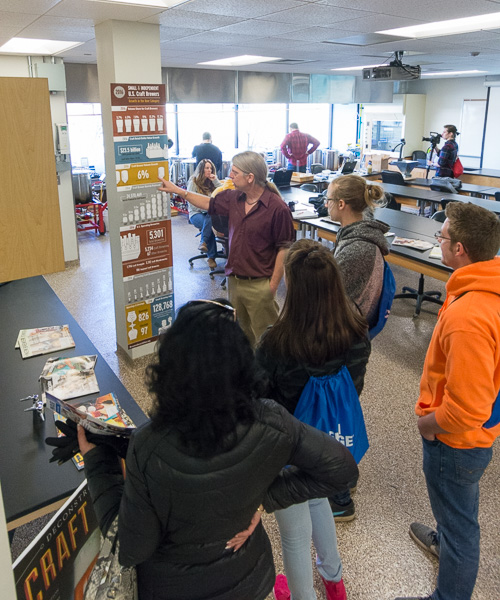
302, 177
380, 162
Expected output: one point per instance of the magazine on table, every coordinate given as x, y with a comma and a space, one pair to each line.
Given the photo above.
43, 340
411, 243
69, 377
103, 415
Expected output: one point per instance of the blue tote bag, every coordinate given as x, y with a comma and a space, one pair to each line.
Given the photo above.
331, 404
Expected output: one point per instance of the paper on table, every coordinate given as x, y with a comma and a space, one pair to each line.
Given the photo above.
436, 253
411, 243
327, 220
303, 214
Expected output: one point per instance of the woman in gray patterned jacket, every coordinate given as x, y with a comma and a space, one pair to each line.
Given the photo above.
361, 244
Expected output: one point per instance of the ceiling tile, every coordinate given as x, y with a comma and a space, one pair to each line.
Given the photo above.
289, 29
60, 28
315, 15
167, 34
37, 33
316, 34
241, 9
430, 10
16, 20
375, 22
214, 38
100, 11
6, 33
261, 28
29, 7
182, 18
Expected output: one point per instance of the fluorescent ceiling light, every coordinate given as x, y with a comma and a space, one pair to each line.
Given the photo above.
357, 68
451, 27
32, 46
239, 61
152, 3
453, 73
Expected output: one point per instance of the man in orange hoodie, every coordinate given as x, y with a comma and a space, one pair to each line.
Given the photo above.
458, 407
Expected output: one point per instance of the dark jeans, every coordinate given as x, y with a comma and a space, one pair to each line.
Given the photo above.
204, 223
452, 476
293, 167
344, 498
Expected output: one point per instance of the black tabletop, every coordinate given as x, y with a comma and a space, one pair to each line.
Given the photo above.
483, 172
469, 188
401, 224
428, 195
29, 481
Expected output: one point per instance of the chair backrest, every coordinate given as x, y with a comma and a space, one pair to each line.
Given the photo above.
317, 168
348, 167
221, 224
497, 196
439, 215
419, 154
393, 177
391, 202
282, 177
309, 187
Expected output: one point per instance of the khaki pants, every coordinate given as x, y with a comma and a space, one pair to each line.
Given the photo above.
256, 307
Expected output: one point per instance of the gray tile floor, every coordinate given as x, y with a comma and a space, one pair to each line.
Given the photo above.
380, 561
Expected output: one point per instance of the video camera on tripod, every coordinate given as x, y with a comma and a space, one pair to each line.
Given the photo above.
433, 139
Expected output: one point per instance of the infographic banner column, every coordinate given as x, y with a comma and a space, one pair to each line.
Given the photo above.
141, 156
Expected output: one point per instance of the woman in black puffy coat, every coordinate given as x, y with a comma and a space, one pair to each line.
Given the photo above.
212, 455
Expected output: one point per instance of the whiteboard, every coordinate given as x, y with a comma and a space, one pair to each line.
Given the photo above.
491, 156
471, 129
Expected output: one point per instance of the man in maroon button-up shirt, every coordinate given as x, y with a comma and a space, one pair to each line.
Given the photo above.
260, 231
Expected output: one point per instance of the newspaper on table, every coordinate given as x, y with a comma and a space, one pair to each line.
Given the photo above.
411, 243
103, 415
43, 340
71, 377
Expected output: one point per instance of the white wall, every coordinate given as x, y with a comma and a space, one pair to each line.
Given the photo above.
445, 99
17, 66
14, 66
491, 154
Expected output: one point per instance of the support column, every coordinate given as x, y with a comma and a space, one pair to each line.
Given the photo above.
127, 53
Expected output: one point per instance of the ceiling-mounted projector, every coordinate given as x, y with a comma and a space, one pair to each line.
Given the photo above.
394, 71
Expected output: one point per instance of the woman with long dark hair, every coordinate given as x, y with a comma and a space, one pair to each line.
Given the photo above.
204, 181
211, 458
318, 332
361, 245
